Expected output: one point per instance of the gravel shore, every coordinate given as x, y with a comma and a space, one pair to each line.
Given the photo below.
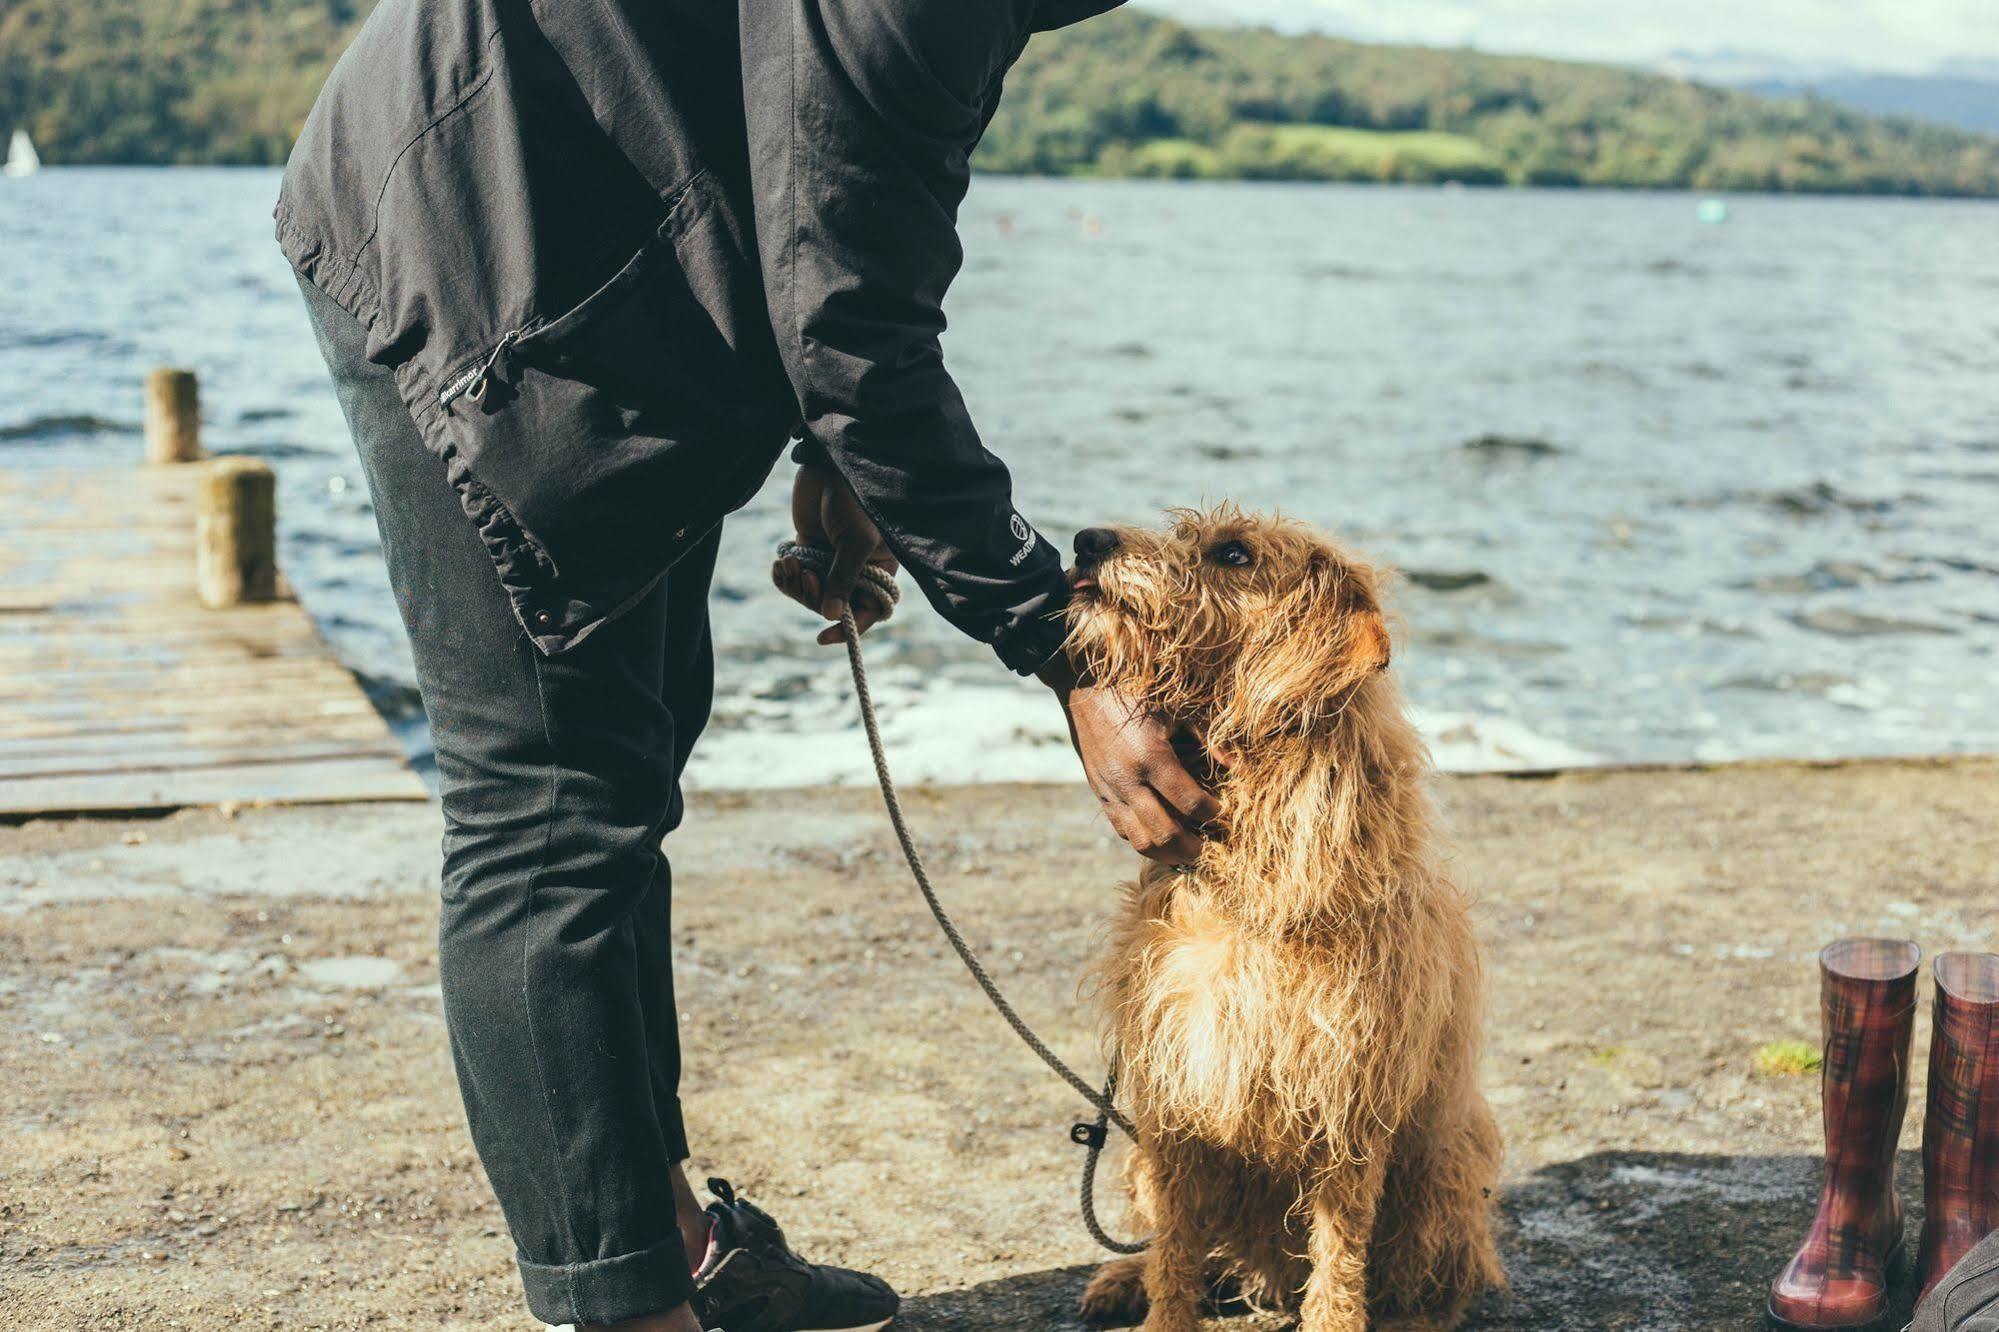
229, 1104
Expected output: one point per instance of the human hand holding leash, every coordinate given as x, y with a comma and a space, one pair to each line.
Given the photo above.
1130, 759
825, 514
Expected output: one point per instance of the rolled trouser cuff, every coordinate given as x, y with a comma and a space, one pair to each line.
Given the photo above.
610, 1290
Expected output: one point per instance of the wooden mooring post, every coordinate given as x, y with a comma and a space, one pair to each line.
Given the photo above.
173, 416
236, 533
151, 657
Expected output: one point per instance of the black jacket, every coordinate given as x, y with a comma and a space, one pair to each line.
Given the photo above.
619, 252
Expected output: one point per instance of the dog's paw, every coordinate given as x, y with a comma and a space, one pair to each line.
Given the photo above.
1115, 1296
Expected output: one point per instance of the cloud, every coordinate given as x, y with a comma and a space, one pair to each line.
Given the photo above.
1903, 35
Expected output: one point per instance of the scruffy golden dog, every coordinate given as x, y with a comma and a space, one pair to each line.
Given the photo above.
1297, 1014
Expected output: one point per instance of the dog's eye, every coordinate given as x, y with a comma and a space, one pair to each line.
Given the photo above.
1232, 553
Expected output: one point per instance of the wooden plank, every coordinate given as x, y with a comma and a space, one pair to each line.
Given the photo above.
135, 678
101, 658
333, 781
118, 690
158, 743
114, 649
184, 707
31, 731
48, 621
188, 756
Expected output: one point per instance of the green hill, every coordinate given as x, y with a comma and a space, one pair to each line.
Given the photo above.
167, 80
1127, 94
1132, 94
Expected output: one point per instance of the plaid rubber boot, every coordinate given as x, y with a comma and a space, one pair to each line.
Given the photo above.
1839, 1278
1961, 1132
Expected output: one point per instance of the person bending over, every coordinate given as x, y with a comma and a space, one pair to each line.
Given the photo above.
581, 271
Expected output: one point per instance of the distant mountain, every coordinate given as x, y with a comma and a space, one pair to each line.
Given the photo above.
1983, 68
1734, 67
1971, 104
1129, 94
1962, 92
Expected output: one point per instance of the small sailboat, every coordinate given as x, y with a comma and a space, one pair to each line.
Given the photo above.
22, 159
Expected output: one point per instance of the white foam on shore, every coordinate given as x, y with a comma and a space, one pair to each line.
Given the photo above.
958, 734
1469, 742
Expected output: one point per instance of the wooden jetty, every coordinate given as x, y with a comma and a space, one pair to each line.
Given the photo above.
151, 657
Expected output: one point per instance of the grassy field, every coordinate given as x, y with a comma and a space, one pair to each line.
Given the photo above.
1311, 152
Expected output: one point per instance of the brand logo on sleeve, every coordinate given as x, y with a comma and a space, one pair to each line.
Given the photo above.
1024, 535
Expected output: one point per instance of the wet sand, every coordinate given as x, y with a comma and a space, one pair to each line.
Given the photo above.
228, 1102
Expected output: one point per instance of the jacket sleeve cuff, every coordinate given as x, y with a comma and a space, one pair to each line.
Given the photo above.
1032, 636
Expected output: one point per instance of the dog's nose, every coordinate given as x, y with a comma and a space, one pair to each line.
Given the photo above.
1094, 543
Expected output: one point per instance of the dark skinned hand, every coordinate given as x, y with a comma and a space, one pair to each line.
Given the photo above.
1128, 754
1130, 758
825, 513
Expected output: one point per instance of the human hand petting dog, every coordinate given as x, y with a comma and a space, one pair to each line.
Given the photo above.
825, 513
1133, 764
1128, 754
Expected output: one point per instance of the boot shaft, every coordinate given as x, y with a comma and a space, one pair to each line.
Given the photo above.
1867, 999
1961, 1126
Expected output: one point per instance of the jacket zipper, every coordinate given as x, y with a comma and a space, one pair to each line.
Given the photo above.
474, 381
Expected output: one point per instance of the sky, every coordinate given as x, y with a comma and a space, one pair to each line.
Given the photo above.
1900, 36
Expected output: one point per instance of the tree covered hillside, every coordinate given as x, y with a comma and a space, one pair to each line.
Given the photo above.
1127, 94
1133, 94
167, 80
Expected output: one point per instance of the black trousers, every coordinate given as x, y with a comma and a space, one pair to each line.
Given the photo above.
559, 777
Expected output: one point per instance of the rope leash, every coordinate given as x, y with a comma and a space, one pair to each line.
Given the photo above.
1090, 1136
876, 584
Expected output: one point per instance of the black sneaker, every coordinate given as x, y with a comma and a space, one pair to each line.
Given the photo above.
751, 1281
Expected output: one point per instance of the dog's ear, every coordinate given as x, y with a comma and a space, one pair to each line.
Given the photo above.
1326, 638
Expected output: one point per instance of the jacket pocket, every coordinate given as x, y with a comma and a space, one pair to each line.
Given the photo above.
619, 431
640, 340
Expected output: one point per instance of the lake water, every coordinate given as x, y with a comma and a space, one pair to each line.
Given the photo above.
1662, 489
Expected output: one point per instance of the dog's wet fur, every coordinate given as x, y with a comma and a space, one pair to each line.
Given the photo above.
1299, 1013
